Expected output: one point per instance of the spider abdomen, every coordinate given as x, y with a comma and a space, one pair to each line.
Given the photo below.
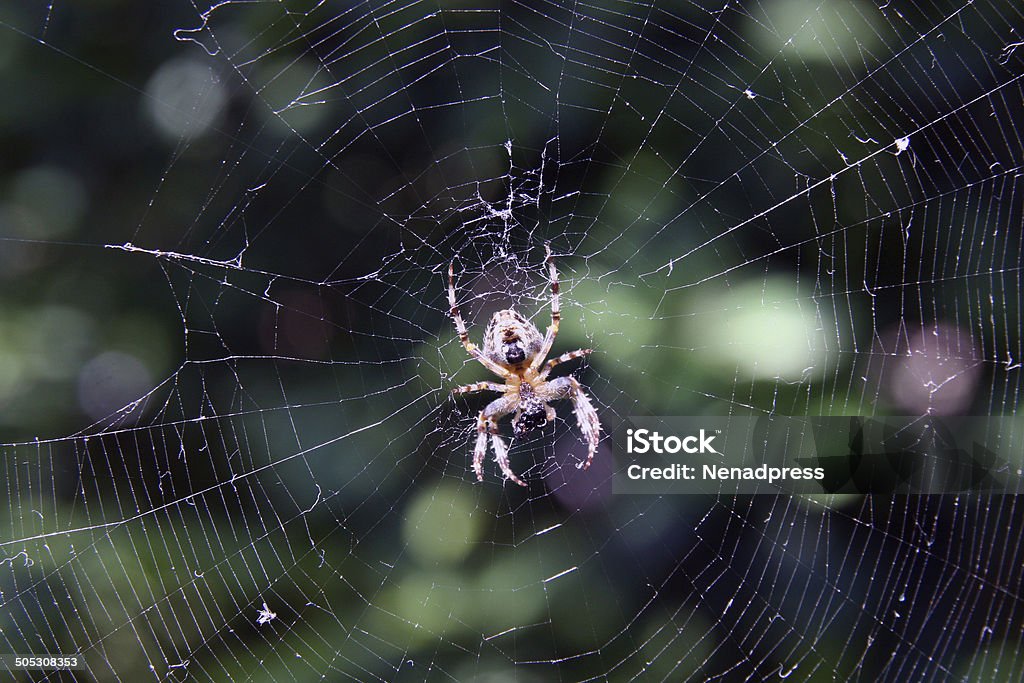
533, 414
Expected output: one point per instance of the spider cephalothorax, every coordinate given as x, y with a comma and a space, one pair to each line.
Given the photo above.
514, 349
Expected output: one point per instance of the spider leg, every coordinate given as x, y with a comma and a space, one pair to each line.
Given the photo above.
501, 455
563, 358
586, 416
556, 313
480, 449
478, 386
464, 334
487, 423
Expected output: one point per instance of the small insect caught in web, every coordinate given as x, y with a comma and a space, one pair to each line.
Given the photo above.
265, 615
515, 351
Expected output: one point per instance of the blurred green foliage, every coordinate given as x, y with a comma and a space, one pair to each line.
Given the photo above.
735, 232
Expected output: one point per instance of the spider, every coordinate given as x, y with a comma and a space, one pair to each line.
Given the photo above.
515, 351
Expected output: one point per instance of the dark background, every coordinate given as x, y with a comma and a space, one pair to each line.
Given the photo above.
226, 357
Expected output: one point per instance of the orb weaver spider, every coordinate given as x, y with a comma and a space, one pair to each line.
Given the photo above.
515, 350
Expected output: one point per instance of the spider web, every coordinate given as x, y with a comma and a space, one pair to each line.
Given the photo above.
785, 207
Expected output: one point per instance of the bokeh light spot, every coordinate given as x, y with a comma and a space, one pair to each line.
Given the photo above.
441, 525
184, 98
47, 202
937, 374
111, 381
765, 329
